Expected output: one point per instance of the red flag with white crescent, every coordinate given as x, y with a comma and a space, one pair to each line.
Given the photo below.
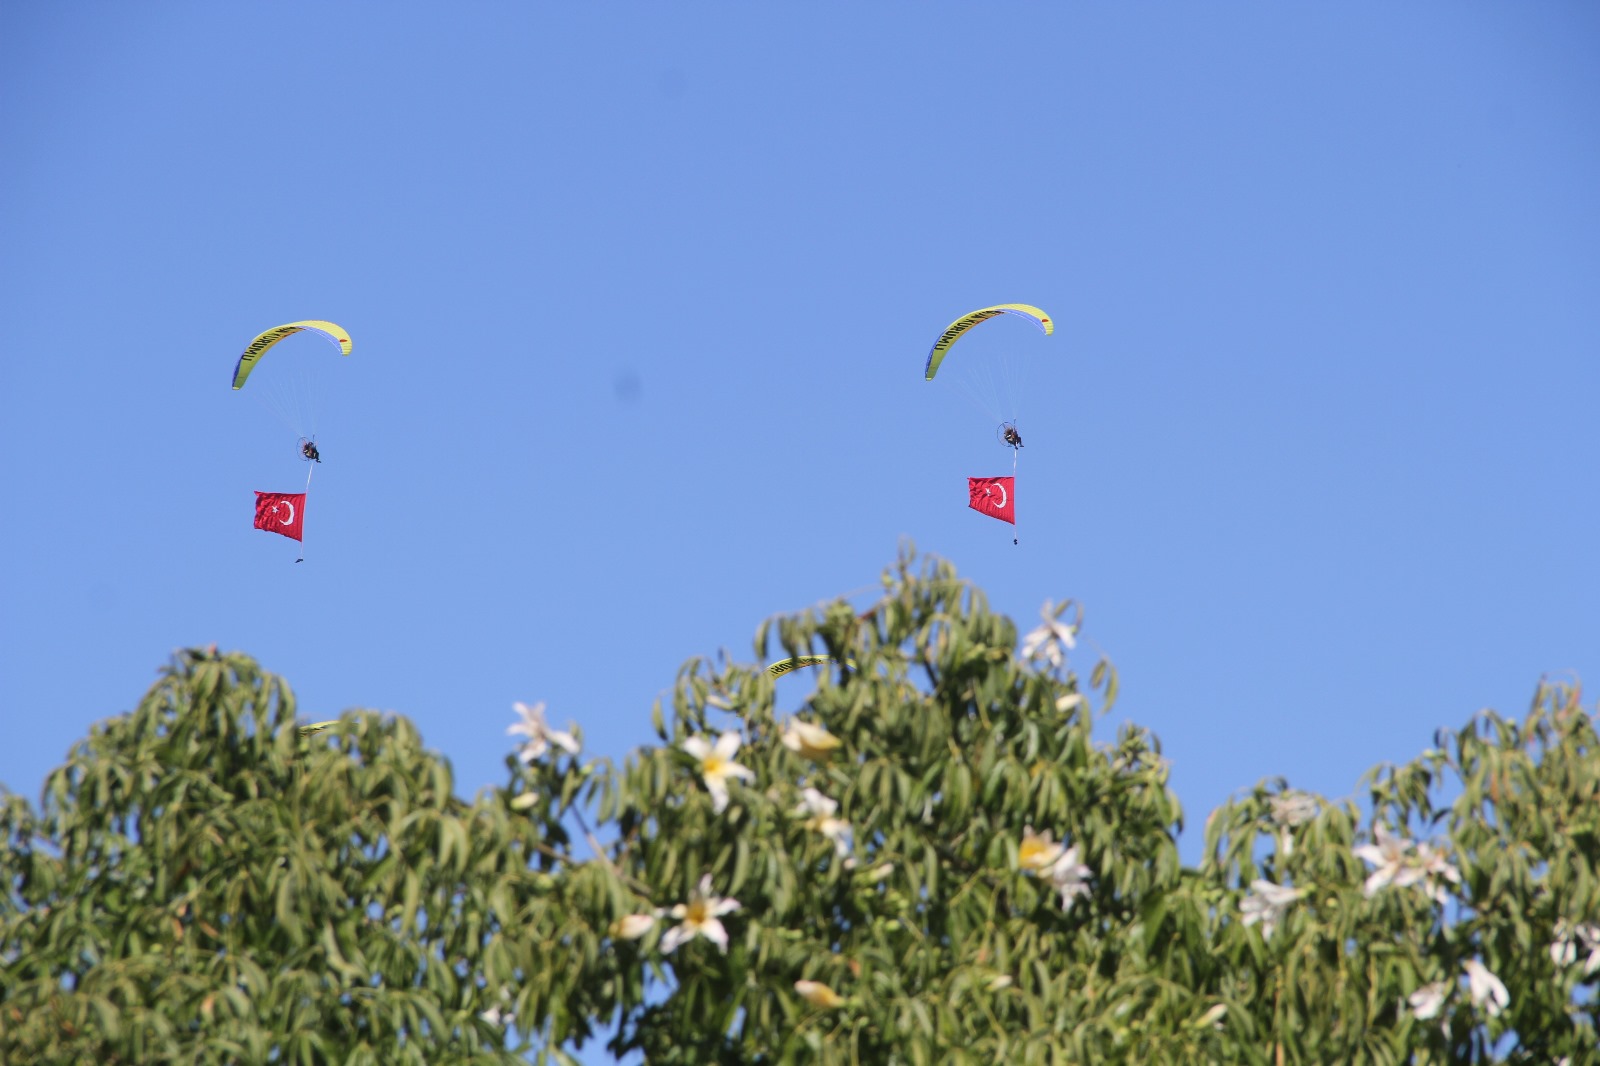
994, 496
281, 512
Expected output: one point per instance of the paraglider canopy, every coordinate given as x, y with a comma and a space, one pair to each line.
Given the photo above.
258, 347
784, 666
954, 331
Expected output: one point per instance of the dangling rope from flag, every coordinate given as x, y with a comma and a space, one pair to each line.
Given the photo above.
1015, 448
310, 469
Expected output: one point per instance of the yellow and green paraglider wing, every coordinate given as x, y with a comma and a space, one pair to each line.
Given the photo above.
316, 727
783, 666
954, 331
258, 347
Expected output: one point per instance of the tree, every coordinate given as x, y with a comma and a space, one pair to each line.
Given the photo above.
914, 850
208, 883
932, 860
1476, 944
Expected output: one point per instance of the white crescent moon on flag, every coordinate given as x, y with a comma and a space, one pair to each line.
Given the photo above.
1002, 488
290, 520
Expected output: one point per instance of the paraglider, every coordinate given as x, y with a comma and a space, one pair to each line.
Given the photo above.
291, 389
277, 512
994, 497
784, 666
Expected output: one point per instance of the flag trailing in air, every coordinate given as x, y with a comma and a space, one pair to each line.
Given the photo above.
281, 512
994, 496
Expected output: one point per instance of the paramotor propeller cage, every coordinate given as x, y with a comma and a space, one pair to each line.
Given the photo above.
308, 451
1008, 435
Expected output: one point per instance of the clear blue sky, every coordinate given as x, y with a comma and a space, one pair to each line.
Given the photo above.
640, 297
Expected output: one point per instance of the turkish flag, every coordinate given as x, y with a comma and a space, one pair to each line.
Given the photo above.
994, 496
281, 512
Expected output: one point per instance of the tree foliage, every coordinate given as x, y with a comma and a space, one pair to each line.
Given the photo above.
208, 883
948, 751
917, 852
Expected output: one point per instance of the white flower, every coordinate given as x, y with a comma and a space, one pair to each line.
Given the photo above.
1293, 808
1564, 952
1052, 640
540, 736
699, 917
1397, 865
819, 811
1426, 1001
1043, 857
1290, 809
1266, 903
812, 741
818, 995
1487, 991
814, 804
1388, 854
495, 1015
632, 926
1432, 863
717, 765
1037, 852
1069, 876
1590, 935
1564, 949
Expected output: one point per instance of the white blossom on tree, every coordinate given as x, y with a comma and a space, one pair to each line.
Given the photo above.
540, 735
818, 995
820, 814
1435, 868
632, 926
809, 740
1052, 639
1266, 903
1290, 809
700, 918
716, 766
1069, 876
1487, 990
1564, 950
1426, 1001
1037, 852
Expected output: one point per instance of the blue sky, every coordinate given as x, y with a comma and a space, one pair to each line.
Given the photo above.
640, 296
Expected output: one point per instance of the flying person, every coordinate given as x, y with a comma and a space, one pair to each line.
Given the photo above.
279, 512
992, 496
